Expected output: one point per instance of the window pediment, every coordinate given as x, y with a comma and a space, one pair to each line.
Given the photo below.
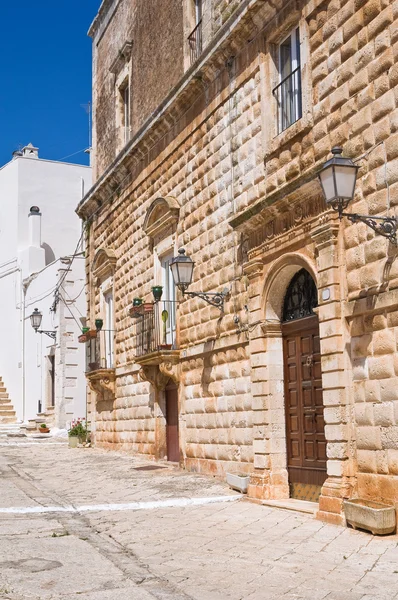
104, 264
161, 216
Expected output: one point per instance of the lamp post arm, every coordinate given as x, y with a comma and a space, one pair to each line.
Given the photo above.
385, 226
51, 334
212, 298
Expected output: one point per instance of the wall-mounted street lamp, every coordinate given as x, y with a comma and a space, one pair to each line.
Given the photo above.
182, 270
35, 319
338, 178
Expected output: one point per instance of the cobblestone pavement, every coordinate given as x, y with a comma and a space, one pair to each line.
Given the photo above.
219, 551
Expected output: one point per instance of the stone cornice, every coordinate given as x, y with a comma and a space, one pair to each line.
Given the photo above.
228, 41
103, 17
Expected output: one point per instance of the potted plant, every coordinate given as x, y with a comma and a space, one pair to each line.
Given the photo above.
137, 308
157, 292
43, 428
77, 432
83, 337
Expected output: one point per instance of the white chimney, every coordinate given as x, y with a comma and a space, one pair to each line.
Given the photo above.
35, 227
30, 151
32, 258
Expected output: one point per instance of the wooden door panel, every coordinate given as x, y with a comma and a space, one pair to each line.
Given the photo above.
309, 450
291, 349
292, 376
293, 396
172, 436
306, 441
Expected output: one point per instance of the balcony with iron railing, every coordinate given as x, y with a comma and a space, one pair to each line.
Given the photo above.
195, 42
288, 97
100, 363
100, 350
155, 342
155, 328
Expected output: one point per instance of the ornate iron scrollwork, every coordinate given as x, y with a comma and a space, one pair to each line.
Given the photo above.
301, 297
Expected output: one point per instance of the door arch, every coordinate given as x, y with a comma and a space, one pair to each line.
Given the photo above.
305, 427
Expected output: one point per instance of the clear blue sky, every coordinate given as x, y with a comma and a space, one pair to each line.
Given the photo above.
45, 76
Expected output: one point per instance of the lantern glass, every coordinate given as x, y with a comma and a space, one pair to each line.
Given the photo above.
35, 319
338, 178
182, 270
328, 184
345, 181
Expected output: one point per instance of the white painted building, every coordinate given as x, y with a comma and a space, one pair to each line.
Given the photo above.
40, 267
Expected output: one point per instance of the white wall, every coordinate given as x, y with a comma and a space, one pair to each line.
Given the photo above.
56, 188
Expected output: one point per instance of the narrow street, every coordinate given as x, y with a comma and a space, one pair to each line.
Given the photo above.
82, 523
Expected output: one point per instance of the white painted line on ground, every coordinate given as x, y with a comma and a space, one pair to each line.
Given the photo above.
38, 443
172, 503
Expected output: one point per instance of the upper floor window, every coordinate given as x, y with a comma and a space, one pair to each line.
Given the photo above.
195, 40
125, 111
288, 90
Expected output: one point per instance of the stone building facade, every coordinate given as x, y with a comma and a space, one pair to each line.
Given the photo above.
215, 147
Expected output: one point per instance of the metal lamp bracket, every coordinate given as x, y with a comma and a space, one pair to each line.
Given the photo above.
212, 298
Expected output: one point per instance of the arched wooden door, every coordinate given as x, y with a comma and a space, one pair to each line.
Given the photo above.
305, 427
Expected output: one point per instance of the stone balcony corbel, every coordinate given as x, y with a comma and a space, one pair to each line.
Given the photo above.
103, 383
159, 367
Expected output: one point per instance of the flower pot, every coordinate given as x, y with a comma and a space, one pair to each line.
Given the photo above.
375, 517
136, 311
93, 366
44, 430
157, 292
73, 441
239, 483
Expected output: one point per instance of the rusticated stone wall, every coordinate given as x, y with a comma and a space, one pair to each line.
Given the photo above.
160, 38
195, 168
251, 214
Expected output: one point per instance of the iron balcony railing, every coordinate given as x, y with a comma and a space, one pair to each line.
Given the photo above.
155, 328
288, 98
100, 351
195, 42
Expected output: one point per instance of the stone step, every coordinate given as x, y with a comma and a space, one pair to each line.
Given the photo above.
7, 413
3, 392
5, 401
6, 407
7, 420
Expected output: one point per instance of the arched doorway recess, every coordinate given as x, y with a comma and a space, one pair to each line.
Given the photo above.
305, 427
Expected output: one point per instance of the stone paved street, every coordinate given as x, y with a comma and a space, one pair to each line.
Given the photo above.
170, 549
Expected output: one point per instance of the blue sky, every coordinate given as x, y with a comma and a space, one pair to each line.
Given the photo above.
45, 76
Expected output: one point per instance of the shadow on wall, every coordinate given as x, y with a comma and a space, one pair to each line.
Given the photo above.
49, 255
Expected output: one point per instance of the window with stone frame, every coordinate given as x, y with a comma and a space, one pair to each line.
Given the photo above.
121, 69
194, 29
124, 109
286, 96
288, 91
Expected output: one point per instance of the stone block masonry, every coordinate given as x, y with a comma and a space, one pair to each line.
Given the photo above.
242, 198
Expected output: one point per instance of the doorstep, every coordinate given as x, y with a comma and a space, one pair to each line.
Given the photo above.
302, 506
